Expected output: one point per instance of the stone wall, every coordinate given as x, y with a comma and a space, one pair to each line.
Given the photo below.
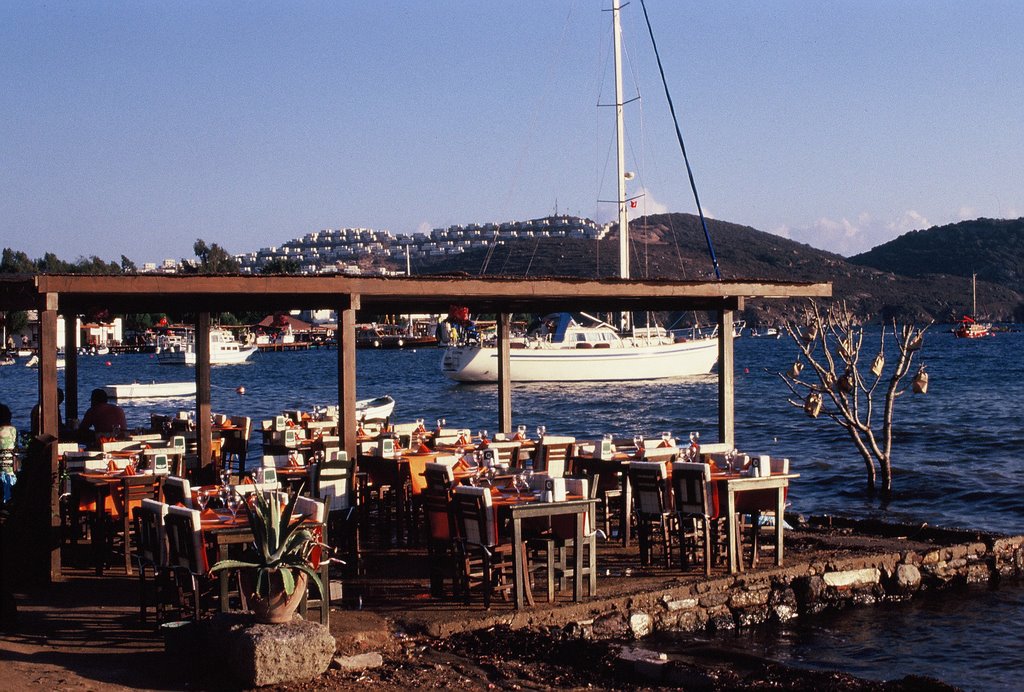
781, 594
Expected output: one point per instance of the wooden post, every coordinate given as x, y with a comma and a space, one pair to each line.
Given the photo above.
504, 374
726, 380
346, 337
49, 527
70, 367
204, 431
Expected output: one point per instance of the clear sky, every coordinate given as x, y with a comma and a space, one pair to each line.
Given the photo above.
136, 127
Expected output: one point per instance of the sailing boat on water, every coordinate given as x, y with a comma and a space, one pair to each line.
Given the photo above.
968, 327
562, 349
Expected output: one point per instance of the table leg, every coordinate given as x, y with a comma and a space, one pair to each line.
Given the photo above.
578, 550
730, 521
518, 568
222, 577
780, 505
99, 530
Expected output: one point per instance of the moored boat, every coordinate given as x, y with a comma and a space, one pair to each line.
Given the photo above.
968, 327
224, 350
378, 408
151, 390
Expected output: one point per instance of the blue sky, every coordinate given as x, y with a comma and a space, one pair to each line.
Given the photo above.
136, 127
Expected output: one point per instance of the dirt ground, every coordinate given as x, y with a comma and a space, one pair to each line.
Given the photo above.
85, 634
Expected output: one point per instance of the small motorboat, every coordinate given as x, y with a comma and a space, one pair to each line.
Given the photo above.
151, 390
374, 409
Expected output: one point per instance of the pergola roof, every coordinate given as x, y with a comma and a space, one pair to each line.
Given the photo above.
189, 293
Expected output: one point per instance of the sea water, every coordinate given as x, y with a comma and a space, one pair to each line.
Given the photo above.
958, 457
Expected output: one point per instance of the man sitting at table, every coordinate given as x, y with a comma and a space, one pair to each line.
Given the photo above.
105, 419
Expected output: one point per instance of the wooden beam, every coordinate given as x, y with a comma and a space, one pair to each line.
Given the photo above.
504, 374
48, 518
347, 375
70, 368
726, 380
204, 428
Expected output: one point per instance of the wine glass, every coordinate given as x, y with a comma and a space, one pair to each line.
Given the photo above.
638, 442
202, 499
234, 504
541, 429
666, 437
521, 431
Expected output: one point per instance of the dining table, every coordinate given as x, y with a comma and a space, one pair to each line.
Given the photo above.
528, 507
615, 466
95, 491
750, 495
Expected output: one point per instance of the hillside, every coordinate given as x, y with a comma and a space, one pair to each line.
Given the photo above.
672, 246
993, 248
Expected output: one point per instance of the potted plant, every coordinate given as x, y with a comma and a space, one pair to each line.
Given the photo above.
274, 569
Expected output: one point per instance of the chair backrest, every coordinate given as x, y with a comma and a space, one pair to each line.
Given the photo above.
332, 481
146, 437
439, 516
587, 488
150, 541
310, 508
280, 461
648, 481
177, 491
439, 476
474, 515
691, 490
84, 461
116, 445
661, 453
553, 454
417, 465
185, 546
507, 452
66, 447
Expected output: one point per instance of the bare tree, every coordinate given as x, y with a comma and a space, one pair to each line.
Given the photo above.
839, 386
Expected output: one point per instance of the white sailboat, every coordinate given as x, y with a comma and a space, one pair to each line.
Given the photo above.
563, 350
224, 350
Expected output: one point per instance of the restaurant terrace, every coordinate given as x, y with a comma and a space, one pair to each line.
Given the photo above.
201, 296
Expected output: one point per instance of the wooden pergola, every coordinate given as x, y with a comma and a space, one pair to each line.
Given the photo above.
201, 296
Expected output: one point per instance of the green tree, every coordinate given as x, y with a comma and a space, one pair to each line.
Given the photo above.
16, 262
281, 265
127, 265
213, 259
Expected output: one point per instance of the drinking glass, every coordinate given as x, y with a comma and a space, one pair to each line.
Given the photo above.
483, 435
234, 504
419, 423
638, 442
521, 430
541, 429
202, 499
666, 436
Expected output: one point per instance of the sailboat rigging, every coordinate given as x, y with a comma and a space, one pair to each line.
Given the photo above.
561, 349
969, 327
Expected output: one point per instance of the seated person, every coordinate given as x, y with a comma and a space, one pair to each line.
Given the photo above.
105, 419
62, 430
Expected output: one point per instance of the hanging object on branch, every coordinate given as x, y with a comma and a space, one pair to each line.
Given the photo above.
846, 382
813, 404
920, 382
811, 332
916, 343
796, 369
845, 350
877, 364
829, 381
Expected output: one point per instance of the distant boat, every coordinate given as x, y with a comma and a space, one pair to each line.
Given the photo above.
33, 362
772, 332
224, 350
968, 327
151, 390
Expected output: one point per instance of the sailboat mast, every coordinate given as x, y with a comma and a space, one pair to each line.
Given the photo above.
620, 167
974, 295
620, 139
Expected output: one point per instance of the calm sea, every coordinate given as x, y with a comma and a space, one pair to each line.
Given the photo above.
958, 455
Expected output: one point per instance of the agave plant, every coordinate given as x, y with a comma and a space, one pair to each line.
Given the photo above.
280, 545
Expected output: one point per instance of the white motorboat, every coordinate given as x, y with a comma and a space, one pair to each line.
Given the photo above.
224, 350
563, 350
378, 408
151, 390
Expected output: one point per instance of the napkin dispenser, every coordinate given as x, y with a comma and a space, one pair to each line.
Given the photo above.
487, 458
160, 465
554, 490
761, 466
606, 450
386, 447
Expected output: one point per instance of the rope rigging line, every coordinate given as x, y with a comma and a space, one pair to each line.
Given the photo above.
682, 146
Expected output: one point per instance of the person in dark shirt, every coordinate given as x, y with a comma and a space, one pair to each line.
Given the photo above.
34, 426
105, 419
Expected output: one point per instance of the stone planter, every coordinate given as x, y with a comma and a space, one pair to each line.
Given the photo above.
279, 607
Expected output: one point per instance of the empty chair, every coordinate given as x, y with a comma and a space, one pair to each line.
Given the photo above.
552, 455
129, 495
150, 552
177, 491
235, 443
186, 557
334, 481
485, 562
315, 510
653, 520
507, 453
696, 509
438, 475
441, 537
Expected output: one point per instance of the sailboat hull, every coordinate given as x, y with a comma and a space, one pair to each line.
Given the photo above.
480, 363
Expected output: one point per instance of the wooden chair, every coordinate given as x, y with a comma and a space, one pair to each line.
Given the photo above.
316, 510
186, 558
334, 482
177, 491
128, 496
442, 549
654, 521
235, 444
552, 455
696, 509
485, 562
150, 553
507, 453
